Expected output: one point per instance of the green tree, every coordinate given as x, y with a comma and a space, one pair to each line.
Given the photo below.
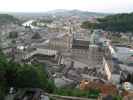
22, 76
77, 92
3, 82
27, 77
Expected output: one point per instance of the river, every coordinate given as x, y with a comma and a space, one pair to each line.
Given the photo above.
29, 23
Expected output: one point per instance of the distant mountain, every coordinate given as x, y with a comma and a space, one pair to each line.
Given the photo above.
61, 12
57, 11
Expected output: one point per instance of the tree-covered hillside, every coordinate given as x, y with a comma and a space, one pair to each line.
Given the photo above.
116, 23
8, 19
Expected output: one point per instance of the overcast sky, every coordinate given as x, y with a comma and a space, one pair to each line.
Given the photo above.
109, 6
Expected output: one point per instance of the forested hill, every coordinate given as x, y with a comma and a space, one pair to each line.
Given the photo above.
8, 19
118, 22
